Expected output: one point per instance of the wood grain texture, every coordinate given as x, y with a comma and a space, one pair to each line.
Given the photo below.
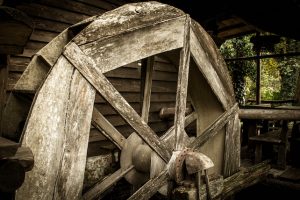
57, 132
146, 86
182, 86
214, 56
88, 68
232, 151
280, 114
152, 40
107, 129
127, 18
213, 129
150, 187
208, 71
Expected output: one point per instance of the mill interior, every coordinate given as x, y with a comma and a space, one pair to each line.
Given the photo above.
123, 99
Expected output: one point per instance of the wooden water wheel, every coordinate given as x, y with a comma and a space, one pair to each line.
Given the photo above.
67, 73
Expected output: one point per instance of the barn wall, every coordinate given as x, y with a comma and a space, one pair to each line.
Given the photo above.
51, 17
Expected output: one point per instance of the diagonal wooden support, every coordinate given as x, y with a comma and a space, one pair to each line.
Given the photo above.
87, 67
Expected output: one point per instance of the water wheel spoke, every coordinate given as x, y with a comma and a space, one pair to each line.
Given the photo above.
87, 67
101, 187
188, 120
151, 187
107, 129
182, 85
146, 85
213, 129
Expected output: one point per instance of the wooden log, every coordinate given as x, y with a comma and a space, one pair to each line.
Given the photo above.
277, 114
182, 86
57, 132
213, 129
88, 67
245, 178
168, 113
107, 53
150, 187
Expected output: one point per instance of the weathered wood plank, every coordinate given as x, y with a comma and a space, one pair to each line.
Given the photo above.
214, 56
69, 182
99, 188
107, 129
232, 149
147, 67
88, 67
279, 114
25, 157
99, 4
152, 40
37, 69
134, 16
57, 130
213, 129
182, 85
245, 178
208, 71
150, 187
49, 25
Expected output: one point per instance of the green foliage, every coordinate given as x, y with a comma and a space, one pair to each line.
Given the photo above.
278, 76
239, 70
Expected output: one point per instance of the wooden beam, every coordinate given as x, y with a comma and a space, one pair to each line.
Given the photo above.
279, 114
146, 85
245, 178
109, 24
97, 190
208, 71
258, 77
213, 129
107, 129
182, 85
57, 132
168, 113
88, 68
150, 187
280, 55
113, 52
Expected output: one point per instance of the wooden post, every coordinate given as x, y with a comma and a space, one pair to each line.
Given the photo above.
258, 74
282, 149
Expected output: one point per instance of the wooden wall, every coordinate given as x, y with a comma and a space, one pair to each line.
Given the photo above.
51, 17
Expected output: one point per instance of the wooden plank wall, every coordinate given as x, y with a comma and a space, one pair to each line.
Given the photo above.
52, 16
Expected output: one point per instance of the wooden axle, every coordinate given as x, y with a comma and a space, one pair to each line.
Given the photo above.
279, 114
